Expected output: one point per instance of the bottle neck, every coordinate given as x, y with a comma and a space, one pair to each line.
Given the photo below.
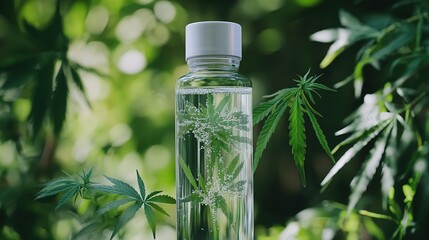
213, 63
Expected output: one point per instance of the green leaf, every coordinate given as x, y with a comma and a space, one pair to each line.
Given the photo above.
91, 70
125, 217
19, 71
59, 101
65, 184
295, 97
343, 37
72, 192
55, 28
188, 173
234, 168
411, 63
373, 229
202, 183
232, 165
150, 216
162, 199
265, 108
123, 187
366, 137
54, 190
141, 186
74, 76
111, 205
41, 96
17, 79
267, 131
225, 100
86, 192
76, 79
392, 42
158, 208
87, 176
54, 187
386, 45
357, 128
221, 203
315, 85
193, 197
358, 30
220, 126
319, 133
237, 171
119, 187
154, 193
348, 20
336, 48
389, 166
356, 137
297, 136
361, 181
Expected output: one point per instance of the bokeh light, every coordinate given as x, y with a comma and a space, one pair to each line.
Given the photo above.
92, 54
97, 19
120, 134
132, 62
131, 27
165, 11
270, 40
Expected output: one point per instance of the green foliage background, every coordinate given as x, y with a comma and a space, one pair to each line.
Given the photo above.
91, 83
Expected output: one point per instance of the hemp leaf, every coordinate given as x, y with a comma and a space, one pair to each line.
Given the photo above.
218, 128
70, 187
140, 199
297, 136
212, 193
213, 124
300, 100
381, 122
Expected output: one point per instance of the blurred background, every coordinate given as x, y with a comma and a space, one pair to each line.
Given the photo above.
128, 54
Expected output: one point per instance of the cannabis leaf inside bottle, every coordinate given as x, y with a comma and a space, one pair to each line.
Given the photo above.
214, 137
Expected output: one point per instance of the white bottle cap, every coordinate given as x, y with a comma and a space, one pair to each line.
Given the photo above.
213, 38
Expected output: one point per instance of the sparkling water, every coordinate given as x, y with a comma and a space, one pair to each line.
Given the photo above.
214, 163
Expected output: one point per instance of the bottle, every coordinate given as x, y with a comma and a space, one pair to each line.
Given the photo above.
214, 175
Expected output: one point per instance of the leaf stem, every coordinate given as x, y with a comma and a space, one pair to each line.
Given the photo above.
309, 105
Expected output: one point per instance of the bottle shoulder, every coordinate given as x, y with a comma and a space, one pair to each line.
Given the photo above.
213, 78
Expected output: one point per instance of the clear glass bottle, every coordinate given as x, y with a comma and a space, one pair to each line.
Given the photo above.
214, 175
